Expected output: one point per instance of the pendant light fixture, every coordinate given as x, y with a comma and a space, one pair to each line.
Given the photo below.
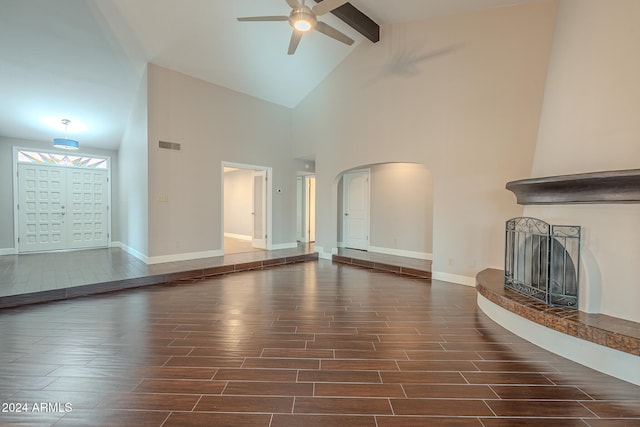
65, 143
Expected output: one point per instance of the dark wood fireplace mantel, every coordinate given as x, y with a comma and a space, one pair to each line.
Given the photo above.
621, 186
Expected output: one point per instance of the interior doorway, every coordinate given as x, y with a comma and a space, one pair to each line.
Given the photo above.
246, 208
306, 209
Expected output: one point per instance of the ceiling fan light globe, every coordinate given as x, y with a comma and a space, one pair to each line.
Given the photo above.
302, 25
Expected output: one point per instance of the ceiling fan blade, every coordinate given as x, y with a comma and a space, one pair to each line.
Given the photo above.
327, 6
295, 40
293, 3
263, 18
328, 30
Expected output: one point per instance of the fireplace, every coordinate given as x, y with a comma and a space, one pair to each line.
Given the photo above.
542, 260
607, 204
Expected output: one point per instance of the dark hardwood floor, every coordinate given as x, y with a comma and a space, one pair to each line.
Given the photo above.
306, 344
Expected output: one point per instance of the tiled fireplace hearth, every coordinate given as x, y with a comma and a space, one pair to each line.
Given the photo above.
599, 329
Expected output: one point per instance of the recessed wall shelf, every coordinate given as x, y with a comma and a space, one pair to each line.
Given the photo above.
622, 186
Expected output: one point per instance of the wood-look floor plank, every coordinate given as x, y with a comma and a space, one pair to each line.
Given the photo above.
543, 422
113, 418
258, 388
539, 408
440, 407
338, 405
415, 421
358, 390
297, 420
255, 404
204, 419
438, 391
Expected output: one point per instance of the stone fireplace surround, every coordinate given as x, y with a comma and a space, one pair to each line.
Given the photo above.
599, 341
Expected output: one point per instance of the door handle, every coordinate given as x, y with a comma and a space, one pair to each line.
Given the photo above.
346, 214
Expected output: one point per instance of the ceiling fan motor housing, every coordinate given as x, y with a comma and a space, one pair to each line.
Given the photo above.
303, 19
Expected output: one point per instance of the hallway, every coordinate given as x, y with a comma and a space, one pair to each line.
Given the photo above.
304, 344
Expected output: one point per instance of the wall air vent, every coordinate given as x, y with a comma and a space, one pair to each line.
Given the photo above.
169, 145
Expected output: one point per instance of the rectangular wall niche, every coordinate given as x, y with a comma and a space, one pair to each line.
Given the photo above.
542, 261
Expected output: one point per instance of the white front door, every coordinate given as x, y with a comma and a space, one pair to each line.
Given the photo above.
87, 204
356, 209
259, 238
41, 208
61, 208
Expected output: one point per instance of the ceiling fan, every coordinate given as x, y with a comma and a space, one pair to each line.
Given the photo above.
304, 18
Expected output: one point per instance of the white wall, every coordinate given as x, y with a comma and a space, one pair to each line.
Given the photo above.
238, 202
590, 122
133, 200
401, 209
460, 95
213, 124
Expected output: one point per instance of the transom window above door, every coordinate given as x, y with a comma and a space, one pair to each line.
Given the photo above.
55, 159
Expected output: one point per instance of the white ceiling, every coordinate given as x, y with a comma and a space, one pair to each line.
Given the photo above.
83, 59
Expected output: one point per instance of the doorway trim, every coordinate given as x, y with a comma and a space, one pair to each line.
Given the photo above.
269, 201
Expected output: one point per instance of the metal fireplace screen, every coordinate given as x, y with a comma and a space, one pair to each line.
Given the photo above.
543, 261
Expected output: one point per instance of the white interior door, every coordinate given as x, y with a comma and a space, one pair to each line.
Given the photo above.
356, 210
306, 209
87, 204
311, 208
259, 238
300, 209
61, 208
41, 208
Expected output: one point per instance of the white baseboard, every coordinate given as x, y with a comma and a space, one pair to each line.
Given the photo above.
8, 251
289, 245
454, 278
238, 236
612, 362
185, 256
131, 251
401, 252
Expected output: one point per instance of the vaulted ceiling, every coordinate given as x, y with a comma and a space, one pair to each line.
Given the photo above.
84, 59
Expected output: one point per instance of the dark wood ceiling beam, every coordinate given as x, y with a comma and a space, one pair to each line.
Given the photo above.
358, 21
